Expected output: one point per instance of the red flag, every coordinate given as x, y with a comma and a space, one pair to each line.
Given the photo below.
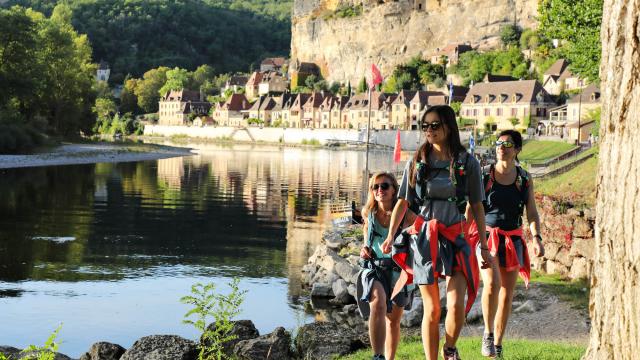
376, 77
397, 149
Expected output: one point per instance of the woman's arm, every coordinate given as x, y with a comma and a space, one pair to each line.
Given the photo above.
365, 251
396, 218
533, 218
477, 210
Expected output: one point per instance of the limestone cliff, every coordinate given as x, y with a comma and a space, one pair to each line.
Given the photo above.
390, 32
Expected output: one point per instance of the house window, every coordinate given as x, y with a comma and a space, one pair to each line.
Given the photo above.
475, 112
514, 112
499, 111
415, 106
487, 111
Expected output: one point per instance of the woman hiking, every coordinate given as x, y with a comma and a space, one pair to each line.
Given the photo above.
438, 183
380, 273
508, 191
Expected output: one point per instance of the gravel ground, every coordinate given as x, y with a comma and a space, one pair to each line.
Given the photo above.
70, 154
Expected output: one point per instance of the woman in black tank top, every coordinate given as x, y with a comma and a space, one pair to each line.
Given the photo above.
508, 191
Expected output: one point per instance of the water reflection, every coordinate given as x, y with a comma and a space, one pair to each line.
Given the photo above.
72, 236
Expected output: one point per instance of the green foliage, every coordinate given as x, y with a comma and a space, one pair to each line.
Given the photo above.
136, 35
17, 136
413, 75
362, 86
251, 121
577, 23
118, 125
595, 114
473, 66
314, 142
128, 98
148, 88
540, 151
345, 11
207, 304
456, 105
510, 35
45, 72
514, 121
176, 79
529, 39
46, 352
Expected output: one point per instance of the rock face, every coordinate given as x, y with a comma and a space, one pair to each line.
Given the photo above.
389, 33
103, 351
242, 329
161, 347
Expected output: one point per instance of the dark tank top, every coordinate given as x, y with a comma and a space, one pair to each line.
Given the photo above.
502, 206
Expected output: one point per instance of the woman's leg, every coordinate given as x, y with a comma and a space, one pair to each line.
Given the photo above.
393, 332
378, 312
508, 283
490, 291
430, 320
456, 288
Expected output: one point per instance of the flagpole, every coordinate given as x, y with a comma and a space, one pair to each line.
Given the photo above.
366, 161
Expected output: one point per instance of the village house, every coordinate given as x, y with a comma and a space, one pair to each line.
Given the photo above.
450, 54
300, 71
421, 101
273, 64
235, 83
558, 78
262, 109
400, 110
280, 112
295, 110
230, 113
102, 74
357, 109
179, 107
507, 104
576, 113
311, 110
272, 83
203, 120
252, 86
331, 111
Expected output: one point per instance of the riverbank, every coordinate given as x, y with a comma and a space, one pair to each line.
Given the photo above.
90, 153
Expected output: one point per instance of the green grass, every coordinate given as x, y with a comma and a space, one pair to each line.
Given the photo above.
577, 184
582, 155
539, 151
575, 292
410, 348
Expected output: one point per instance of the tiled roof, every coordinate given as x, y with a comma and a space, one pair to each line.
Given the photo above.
589, 95
525, 92
236, 102
181, 95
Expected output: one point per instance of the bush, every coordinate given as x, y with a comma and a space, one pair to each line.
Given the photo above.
18, 137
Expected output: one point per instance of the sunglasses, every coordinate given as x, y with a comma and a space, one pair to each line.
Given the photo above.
433, 125
506, 143
383, 186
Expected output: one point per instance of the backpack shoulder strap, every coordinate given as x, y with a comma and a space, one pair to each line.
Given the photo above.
488, 177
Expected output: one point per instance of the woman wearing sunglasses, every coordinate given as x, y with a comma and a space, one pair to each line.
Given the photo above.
379, 272
508, 191
439, 182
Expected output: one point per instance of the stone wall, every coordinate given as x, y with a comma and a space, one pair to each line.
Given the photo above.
568, 239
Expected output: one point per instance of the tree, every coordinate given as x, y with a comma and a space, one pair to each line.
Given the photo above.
577, 23
510, 34
176, 79
128, 98
615, 284
148, 89
362, 86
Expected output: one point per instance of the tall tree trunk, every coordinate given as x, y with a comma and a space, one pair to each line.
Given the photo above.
615, 282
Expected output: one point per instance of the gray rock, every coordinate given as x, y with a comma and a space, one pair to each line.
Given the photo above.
579, 268
10, 352
16, 354
528, 306
554, 267
590, 214
574, 212
351, 289
340, 290
321, 290
347, 271
350, 309
582, 228
272, 346
550, 250
333, 241
413, 317
564, 258
323, 340
161, 347
103, 351
475, 314
242, 329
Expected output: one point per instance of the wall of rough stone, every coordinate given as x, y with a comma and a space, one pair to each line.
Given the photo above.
568, 239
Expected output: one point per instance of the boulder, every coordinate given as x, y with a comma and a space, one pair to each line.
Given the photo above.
16, 354
584, 248
582, 228
333, 240
413, 317
554, 267
242, 329
10, 352
324, 340
590, 214
564, 258
579, 268
347, 271
103, 351
274, 346
341, 292
161, 347
321, 290
351, 289
550, 250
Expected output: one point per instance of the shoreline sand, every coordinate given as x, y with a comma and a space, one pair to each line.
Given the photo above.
91, 153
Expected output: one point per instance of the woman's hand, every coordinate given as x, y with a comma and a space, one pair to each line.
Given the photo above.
538, 247
365, 252
386, 245
487, 259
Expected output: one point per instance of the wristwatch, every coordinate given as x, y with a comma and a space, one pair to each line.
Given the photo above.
538, 237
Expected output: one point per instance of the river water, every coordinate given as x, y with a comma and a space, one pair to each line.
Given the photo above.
107, 250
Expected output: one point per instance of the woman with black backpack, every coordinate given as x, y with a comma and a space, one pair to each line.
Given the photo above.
508, 191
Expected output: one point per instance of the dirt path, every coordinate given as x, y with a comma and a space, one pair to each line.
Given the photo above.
70, 154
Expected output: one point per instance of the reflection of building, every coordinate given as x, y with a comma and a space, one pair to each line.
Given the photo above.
171, 171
